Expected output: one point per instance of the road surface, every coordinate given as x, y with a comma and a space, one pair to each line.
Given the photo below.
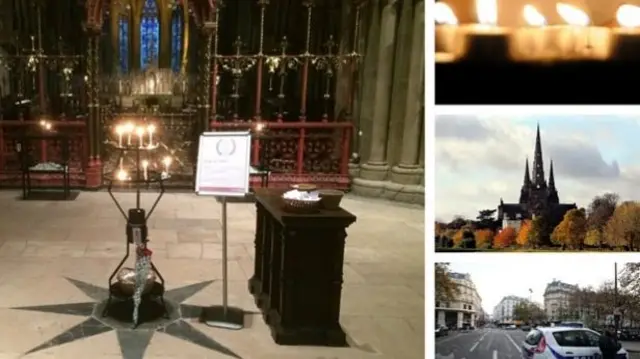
481, 344
489, 344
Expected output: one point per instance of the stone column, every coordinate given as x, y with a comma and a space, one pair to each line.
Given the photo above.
368, 80
441, 318
460, 320
376, 167
408, 170
400, 83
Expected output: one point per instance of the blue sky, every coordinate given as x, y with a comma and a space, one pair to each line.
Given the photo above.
481, 159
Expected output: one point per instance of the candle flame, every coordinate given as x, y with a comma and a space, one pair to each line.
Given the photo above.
140, 131
572, 15
444, 15
119, 129
145, 164
129, 127
166, 161
487, 12
259, 127
122, 175
532, 16
151, 128
628, 16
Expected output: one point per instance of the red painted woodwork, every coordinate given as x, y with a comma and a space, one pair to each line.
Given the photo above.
10, 164
322, 159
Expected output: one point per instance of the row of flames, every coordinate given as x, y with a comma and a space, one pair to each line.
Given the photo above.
628, 16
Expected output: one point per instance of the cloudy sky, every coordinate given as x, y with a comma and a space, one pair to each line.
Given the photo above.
481, 159
493, 282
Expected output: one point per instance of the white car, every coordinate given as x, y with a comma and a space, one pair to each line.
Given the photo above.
564, 343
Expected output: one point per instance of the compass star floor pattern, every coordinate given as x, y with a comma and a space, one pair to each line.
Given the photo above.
133, 342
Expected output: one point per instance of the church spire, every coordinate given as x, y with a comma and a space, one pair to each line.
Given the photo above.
527, 178
552, 181
538, 166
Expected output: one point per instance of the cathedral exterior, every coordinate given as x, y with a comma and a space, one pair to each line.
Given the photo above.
537, 197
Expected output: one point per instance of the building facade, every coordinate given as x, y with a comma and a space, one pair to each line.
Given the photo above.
465, 309
503, 312
537, 196
557, 300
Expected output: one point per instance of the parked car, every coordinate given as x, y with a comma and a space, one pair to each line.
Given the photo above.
441, 331
525, 327
571, 324
564, 342
511, 327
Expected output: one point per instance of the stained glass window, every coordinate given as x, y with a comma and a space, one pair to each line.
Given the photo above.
176, 38
123, 45
149, 34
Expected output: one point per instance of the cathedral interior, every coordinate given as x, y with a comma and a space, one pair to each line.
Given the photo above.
332, 91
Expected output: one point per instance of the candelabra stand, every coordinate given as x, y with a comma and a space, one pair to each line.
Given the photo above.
137, 231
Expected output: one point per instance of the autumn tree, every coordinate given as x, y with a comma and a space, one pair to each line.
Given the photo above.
538, 230
484, 238
523, 233
505, 238
572, 230
486, 219
446, 288
599, 212
594, 237
457, 238
623, 229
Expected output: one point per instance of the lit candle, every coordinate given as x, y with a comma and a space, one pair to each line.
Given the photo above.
446, 28
151, 129
145, 165
531, 42
259, 127
140, 132
119, 132
122, 175
577, 39
484, 41
129, 127
626, 39
167, 162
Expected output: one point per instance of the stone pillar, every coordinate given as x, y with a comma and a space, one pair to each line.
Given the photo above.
93, 172
460, 320
400, 83
368, 80
441, 319
408, 171
376, 167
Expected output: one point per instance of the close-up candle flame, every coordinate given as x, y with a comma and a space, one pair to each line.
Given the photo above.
628, 16
572, 15
444, 15
487, 12
532, 16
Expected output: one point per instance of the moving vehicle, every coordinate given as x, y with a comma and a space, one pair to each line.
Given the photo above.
571, 324
441, 331
564, 342
525, 327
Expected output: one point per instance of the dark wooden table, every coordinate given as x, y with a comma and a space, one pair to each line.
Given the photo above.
297, 281
28, 159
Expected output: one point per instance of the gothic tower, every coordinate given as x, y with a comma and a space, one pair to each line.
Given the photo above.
538, 195
553, 192
526, 185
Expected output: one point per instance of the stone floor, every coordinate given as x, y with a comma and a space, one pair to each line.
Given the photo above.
46, 247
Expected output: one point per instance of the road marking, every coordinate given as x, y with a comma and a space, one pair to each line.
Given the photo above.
473, 347
448, 338
513, 342
495, 354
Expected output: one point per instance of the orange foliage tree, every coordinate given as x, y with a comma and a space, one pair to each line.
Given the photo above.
505, 238
523, 234
484, 237
572, 230
457, 238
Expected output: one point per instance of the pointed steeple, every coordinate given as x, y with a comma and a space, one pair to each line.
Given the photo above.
552, 181
527, 178
538, 165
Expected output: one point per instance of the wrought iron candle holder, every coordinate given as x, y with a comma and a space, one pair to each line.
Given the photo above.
139, 175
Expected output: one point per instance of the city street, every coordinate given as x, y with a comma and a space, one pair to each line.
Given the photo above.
494, 344
481, 344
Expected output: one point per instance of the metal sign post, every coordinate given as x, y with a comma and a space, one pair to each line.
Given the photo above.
223, 171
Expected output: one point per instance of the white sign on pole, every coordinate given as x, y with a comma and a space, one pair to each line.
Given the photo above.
223, 164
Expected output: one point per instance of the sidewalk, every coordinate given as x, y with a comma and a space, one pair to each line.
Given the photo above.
631, 347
